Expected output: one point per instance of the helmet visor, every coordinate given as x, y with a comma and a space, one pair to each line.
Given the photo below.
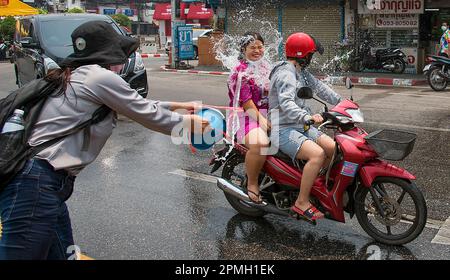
319, 47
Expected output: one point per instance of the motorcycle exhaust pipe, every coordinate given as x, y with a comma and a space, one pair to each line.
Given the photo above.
389, 66
232, 189
240, 194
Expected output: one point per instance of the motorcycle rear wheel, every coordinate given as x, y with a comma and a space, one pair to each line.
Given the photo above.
234, 171
399, 66
395, 214
357, 65
436, 82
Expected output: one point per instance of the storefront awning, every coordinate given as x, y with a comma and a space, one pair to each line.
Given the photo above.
199, 11
162, 11
16, 8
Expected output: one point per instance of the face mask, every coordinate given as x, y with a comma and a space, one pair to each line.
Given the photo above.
444, 28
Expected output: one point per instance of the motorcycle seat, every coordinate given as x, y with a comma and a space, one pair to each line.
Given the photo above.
287, 159
442, 58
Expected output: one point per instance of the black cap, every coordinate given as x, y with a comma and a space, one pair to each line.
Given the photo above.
96, 42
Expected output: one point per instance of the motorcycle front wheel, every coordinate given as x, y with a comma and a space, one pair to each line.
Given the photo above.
436, 82
392, 211
234, 171
399, 66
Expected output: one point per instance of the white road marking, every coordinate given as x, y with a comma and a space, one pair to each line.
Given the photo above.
195, 175
443, 236
433, 224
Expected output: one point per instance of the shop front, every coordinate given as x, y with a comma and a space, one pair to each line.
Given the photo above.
436, 12
194, 13
320, 18
393, 24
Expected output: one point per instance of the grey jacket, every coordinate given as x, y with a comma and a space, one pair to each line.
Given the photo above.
285, 108
90, 87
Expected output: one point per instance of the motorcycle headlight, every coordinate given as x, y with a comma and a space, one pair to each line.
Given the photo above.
356, 114
343, 119
138, 63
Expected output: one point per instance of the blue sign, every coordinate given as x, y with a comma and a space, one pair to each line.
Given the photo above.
109, 11
185, 45
128, 12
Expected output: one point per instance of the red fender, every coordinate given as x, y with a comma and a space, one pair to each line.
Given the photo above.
377, 168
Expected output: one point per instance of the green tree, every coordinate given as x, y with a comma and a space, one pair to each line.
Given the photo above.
122, 20
7, 28
42, 11
75, 11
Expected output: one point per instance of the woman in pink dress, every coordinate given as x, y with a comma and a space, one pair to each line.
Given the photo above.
248, 90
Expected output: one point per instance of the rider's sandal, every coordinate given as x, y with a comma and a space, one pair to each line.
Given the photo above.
258, 201
308, 214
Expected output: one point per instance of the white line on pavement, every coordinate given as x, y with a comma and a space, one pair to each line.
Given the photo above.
433, 224
443, 236
195, 175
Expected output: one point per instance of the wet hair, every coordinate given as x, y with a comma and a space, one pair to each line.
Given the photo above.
247, 38
60, 76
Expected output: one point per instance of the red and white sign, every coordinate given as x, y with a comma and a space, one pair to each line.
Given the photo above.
397, 21
199, 11
162, 11
391, 7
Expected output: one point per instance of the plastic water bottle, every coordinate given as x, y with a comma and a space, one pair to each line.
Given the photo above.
15, 122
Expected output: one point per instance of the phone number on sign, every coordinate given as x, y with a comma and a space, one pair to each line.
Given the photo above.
395, 23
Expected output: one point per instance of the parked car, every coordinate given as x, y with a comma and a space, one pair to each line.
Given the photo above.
196, 34
41, 42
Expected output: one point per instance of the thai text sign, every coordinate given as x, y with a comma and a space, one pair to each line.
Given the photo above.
185, 44
391, 7
397, 21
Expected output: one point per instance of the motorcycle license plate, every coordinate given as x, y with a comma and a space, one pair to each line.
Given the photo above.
426, 68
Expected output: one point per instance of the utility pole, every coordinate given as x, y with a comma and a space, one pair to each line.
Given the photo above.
176, 21
173, 10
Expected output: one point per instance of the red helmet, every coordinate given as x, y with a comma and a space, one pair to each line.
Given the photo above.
300, 45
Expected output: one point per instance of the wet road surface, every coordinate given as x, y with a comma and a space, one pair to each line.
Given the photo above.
129, 205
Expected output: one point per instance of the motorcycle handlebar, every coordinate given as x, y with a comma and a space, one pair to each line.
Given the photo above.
310, 122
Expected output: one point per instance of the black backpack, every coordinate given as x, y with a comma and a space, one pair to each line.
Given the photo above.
14, 148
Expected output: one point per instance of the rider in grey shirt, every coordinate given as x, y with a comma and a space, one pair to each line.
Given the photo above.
90, 87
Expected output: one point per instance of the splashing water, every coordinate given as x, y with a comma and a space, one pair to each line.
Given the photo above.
228, 51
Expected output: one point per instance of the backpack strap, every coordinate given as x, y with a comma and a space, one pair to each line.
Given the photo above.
99, 115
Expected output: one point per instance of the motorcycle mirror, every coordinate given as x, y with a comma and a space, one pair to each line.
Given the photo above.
305, 93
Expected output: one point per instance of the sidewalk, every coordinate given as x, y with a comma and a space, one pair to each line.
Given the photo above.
361, 78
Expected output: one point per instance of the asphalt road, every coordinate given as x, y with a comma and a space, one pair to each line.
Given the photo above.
132, 203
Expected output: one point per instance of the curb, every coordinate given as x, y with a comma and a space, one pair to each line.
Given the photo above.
395, 82
333, 80
147, 55
198, 72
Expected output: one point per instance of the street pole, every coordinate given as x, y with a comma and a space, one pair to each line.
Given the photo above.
173, 20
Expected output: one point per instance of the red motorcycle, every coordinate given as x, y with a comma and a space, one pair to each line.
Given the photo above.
387, 203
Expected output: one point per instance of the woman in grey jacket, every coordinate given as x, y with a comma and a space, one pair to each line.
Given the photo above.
34, 216
288, 115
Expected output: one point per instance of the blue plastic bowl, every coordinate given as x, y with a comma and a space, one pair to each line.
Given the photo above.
217, 123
